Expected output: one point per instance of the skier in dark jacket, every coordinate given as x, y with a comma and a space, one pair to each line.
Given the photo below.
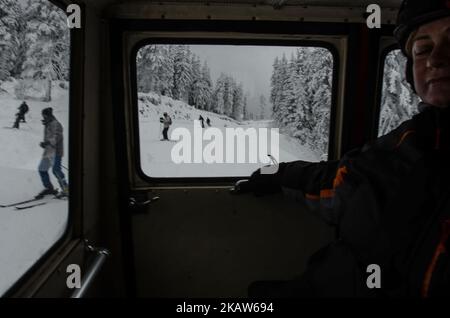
20, 116
202, 121
53, 146
389, 200
166, 121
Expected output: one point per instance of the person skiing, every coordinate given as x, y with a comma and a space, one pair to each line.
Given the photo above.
208, 122
166, 121
202, 121
390, 199
20, 116
53, 145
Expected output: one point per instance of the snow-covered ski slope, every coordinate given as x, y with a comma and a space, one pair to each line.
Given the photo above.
155, 155
26, 235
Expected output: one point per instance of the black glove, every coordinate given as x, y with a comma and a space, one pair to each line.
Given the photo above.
263, 184
44, 144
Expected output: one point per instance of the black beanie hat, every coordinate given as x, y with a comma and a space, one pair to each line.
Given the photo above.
414, 13
47, 111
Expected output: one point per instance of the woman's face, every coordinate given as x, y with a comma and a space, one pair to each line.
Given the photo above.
430, 51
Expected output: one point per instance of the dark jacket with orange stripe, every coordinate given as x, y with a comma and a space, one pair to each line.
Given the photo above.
390, 201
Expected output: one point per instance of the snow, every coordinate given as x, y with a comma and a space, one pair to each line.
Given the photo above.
26, 235
155, 155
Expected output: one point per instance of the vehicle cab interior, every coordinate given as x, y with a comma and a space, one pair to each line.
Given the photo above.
146, 95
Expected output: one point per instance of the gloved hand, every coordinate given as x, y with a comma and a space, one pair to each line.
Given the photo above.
264, 184
44, 144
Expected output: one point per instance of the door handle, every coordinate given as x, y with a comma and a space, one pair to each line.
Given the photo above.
240, 187
134, 203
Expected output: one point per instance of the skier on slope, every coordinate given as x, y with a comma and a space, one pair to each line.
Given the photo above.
389, 200
202, 121
166, 121
20, 116
53, 146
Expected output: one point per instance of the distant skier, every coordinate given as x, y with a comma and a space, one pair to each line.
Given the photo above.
208, 122
202, 121
20, 116
53, 145
166, 121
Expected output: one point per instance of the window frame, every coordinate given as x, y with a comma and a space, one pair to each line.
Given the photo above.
174, 40
29, 282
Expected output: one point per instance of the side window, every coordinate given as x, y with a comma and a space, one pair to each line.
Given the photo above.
34, 115
398, 101
220, 110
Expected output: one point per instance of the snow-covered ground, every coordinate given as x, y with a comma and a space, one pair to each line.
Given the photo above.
26, 235
155, 155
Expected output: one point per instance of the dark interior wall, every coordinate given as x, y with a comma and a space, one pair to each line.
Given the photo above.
100, 215
91, 119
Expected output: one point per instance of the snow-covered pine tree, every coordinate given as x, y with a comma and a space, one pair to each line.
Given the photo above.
144, 65
279, 93
302, 103
181, 72
207, 87
228, 89
203, 89
47, 57
275, 84
12, 42
244, 108
195, 87
321, 88
238, 102
218, 100
398, 101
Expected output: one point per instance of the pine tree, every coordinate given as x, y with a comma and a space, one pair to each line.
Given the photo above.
245, 113
181, 72
395, 107
12, 24
238, 102
144, 66
301, 96
262, 107
48, 36
218, 97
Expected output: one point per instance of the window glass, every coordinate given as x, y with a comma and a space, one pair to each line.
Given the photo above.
230, 106
398, 101
34, 80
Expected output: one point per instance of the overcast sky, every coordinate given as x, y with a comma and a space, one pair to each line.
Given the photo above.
251, 65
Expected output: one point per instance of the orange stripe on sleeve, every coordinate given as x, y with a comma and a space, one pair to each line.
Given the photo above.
339, 179
440, 249
402, 138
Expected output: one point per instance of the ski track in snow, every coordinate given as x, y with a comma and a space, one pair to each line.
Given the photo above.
26, 235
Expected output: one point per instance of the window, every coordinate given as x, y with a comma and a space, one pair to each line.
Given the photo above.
34, 75
398, 101
229, 106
